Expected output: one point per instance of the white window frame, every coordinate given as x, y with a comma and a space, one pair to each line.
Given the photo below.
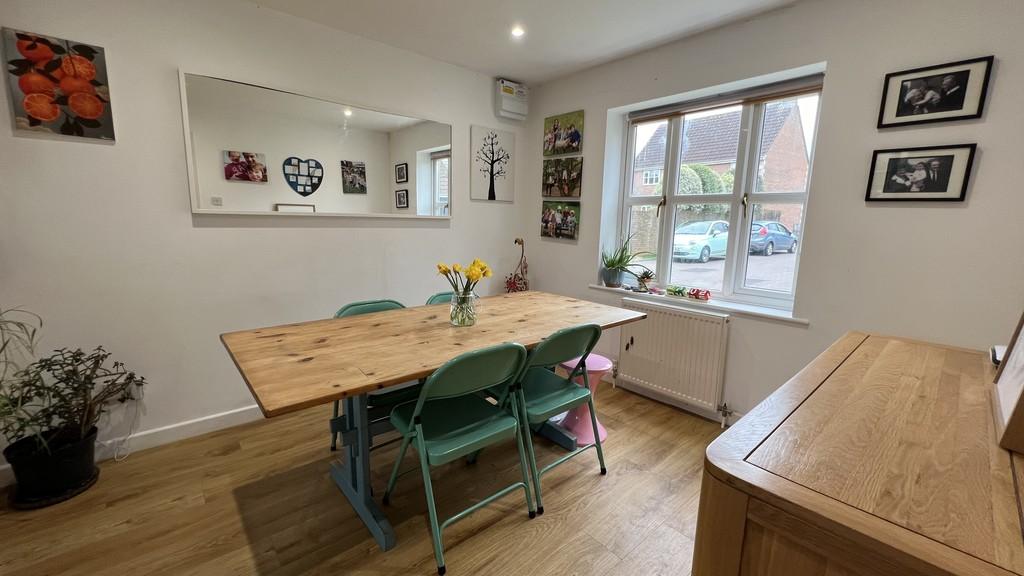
654, 180
740, 200
439, 207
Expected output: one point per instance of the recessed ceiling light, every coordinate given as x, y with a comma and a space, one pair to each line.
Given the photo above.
517, 31
348, 112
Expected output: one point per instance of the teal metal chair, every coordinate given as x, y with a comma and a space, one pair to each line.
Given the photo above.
451, 420
440, 298
380, 403
542, 393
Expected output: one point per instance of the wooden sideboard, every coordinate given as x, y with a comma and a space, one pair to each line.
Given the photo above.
879, 458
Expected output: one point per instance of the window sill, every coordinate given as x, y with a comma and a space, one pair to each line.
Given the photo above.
735, 308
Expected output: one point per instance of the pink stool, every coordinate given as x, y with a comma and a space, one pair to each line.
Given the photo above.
577, 420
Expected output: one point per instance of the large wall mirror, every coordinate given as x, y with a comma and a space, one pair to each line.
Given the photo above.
255, 150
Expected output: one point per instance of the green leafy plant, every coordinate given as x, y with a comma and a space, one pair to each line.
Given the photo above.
645, 276
689, 181
62, 395
622, 259
710, 181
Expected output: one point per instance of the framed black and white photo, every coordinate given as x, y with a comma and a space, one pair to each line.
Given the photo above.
925, 173
954, 91
401, 173
401, 198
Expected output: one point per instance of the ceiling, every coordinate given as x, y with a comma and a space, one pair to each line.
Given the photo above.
562, 36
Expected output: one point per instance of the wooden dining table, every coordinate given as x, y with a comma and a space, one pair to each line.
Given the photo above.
297, 366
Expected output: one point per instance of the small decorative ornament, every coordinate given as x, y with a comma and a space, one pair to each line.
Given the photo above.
463, 280
304, 176
517, 281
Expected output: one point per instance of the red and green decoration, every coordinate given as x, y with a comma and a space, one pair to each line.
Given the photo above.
58, 86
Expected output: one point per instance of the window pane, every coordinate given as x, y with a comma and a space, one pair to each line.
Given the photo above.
787, 139
774, 241
699, 244
643, 227
441, 176
707, 162
649, 143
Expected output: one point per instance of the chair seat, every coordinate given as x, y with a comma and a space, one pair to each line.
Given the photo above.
548, 394
456, 427
394, 395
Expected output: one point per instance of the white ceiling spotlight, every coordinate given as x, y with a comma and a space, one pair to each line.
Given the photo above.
348, 112
518, 32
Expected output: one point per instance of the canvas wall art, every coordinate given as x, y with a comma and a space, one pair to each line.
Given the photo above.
563, 134
244, 166
353, 177
562, 178
493, 170
57, 86
304, 176
560, 220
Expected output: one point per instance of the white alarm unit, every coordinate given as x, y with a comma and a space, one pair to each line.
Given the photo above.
510, 99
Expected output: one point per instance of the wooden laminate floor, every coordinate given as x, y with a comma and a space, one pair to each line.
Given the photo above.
257, 499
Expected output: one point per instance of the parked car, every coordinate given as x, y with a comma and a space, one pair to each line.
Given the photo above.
767, 238
701, 241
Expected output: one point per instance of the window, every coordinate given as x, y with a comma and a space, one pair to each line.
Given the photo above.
440, 163
728, 213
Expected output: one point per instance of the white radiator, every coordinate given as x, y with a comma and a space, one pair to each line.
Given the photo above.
675, 355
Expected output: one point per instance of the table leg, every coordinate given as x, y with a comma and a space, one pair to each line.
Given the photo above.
558, 435
352, 474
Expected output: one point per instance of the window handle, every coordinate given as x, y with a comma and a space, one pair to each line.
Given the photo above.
657, 212
745, 201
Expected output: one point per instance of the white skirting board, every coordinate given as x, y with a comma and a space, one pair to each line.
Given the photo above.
164, 435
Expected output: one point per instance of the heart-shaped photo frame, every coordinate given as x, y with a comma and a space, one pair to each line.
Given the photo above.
304, 176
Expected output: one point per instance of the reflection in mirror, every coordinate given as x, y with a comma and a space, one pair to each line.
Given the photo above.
258, 150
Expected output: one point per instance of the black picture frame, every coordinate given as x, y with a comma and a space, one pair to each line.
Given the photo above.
982, 96
899, 196
401, 173
401, 198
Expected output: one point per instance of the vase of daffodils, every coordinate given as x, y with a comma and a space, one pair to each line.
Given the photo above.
463, 280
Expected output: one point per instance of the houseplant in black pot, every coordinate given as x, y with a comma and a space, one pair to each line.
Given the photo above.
49, 410
618, 262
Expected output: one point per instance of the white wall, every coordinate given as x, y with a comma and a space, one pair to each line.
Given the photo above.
944, 272
100, 241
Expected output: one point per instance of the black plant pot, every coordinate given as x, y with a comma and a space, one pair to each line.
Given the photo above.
46, 477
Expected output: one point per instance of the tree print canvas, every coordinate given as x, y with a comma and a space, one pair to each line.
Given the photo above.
493, 170
57, 86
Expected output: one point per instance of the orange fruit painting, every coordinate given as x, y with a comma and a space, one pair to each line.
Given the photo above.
41, 107
61, 85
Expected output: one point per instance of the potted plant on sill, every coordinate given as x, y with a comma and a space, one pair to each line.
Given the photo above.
620, 261
49, 411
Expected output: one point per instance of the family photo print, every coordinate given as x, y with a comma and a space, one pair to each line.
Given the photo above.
926, 173
954, 91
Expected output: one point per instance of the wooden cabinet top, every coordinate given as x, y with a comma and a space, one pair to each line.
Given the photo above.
888, 441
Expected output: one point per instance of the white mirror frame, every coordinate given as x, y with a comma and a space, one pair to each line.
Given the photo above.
193, 182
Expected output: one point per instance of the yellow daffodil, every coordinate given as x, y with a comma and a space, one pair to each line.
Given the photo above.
457, 267
474, 274
487, 272
443, 269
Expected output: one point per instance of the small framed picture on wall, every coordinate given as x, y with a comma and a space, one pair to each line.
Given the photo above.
924, 173
401, 198
954, 91
401, 173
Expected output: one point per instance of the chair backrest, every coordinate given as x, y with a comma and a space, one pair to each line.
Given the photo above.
565, 344
493, 367
367, 307
440, 298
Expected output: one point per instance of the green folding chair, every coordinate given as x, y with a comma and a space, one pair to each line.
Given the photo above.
450, 420
440, 298
542, 393
380, 403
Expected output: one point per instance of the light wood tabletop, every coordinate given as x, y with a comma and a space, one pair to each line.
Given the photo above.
297, 366
880, 457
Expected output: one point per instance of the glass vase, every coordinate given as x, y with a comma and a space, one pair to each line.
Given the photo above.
463, 310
